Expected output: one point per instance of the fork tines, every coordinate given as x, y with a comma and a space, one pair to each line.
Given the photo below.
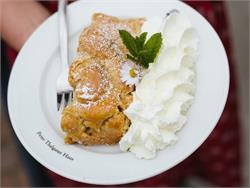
63, 99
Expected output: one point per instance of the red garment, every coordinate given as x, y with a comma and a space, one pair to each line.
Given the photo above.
218, 159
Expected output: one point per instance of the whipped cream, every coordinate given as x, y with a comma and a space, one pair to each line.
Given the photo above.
162, 98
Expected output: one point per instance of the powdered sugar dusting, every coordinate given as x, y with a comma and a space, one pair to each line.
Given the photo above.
90, 103
87, 93
105, 38
92, 96
101, 41
81, 56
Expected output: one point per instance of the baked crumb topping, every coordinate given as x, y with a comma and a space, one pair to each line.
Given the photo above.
96, 114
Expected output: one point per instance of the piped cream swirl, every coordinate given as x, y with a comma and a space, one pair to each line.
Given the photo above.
162, 98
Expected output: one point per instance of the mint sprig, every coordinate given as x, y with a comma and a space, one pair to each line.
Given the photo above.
141, 51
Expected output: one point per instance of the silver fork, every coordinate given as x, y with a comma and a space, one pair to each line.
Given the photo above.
64, 90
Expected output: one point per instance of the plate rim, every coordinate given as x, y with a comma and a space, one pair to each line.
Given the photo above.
93, 181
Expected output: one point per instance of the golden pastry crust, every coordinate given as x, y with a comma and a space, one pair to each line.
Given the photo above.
96, 113
101, 38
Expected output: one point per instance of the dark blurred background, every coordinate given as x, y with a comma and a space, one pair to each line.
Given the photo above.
16, 172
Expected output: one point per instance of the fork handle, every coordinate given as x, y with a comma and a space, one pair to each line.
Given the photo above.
63, 34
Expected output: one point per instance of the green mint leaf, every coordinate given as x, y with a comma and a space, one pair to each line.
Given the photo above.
132, 58
141, 52
129, 41
143, 37
153, 44
140, 41
144, 57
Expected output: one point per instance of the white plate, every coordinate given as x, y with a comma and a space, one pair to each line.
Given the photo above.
32, 98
